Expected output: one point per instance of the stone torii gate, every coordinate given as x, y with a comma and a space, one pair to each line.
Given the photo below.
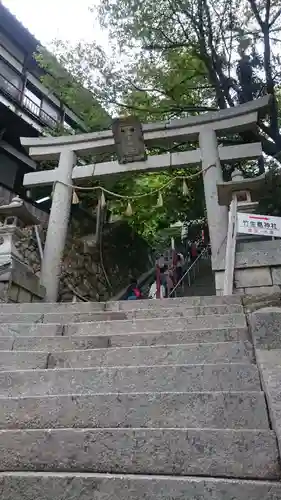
207, 128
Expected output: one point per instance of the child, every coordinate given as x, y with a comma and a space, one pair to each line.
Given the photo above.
133, 291
169, 282
152, 294
179, 266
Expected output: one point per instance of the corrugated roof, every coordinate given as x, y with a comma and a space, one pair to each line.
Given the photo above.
12, 25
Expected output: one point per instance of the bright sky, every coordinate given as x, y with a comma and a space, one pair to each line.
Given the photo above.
64, 19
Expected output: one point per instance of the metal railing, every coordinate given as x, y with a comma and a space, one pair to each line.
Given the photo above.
17, 94
191, 271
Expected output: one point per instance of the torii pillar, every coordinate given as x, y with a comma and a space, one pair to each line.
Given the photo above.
217, 215
57, 227
205, 127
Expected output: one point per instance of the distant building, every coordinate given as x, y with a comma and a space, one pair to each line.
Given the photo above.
27, 108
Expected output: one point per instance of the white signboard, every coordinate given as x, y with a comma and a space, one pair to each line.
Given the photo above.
259, 225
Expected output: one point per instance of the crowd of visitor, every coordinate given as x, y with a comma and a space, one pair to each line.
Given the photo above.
169, 273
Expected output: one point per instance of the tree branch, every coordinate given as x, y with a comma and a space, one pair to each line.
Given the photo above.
274, 19
267, 12
170, 46
270, 86
179, 108
178, 19
216, 62
256, 13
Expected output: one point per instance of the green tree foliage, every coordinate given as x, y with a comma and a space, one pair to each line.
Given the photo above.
66, 76
233, 50
147, 218
270, 197
172, 59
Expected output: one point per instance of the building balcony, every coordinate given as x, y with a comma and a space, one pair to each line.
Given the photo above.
18, 95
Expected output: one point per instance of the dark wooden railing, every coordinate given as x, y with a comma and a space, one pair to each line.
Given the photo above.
25, 102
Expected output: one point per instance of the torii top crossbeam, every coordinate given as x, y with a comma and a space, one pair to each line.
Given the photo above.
239, 118
205, 127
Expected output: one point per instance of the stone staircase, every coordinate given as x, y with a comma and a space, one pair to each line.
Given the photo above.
153, 400
204, 281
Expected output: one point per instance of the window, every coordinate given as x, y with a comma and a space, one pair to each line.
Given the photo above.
31, 102
10, 81
49, 114
68, 127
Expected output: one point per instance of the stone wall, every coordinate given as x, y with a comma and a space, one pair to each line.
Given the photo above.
96, 273
257, 268
18, 284
265, 327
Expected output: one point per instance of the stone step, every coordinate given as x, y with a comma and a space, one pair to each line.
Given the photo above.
212, 300
177, 378
161, 312
151, 326
167, 312
78, 317
209, 452
124, 356
18, 360
90, 486
123, 305
159, 324
51, 344
59, 343
222, 352
218, 410
6, 343
30, 329
61, 318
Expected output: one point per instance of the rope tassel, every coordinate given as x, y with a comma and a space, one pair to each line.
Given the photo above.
160, 200
184, 188
75, 199
102, 200
129, 210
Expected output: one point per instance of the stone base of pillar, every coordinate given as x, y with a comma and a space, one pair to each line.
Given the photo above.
18, 283
257, 268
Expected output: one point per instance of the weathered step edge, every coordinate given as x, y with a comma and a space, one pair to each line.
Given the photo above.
169, 378
187, 318
91, 486
218, 410
220, 352
158, 324
82, 342
218, 453
45, 307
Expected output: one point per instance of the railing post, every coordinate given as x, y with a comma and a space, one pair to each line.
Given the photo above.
39, 243
158, 282
230, 248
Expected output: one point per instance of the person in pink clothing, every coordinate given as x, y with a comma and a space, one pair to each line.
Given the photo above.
193, 252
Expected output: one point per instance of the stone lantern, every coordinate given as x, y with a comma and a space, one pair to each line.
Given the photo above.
245, 190
18, 283
257, 264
